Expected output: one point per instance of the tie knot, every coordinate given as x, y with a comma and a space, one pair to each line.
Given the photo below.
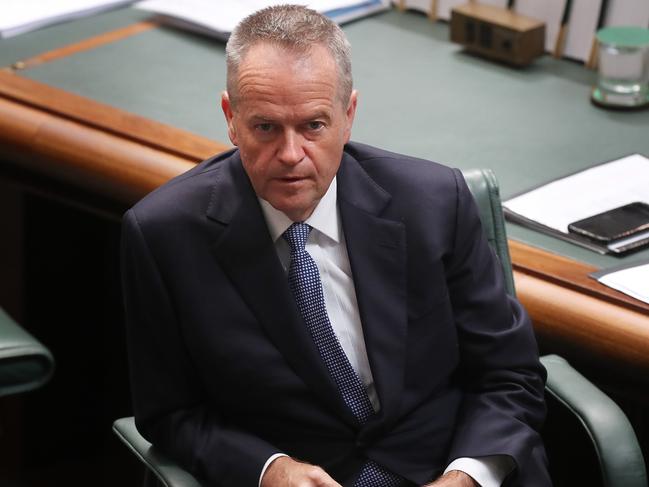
296, 236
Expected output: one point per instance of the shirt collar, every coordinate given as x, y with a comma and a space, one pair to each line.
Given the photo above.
324, 217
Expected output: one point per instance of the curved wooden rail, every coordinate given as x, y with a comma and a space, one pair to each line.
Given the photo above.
74, 153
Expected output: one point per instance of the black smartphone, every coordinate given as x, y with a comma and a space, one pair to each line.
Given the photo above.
622, 222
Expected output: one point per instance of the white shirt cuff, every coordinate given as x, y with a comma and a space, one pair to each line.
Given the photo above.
267, 464
488, 471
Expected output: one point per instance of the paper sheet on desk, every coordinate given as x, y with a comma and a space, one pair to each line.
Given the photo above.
18, 17
633, 281
587, 193
223, 16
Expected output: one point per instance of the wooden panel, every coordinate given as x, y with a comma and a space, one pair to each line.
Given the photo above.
499, 16
569, 273
585, 322
106, 118
583, 315
85, 156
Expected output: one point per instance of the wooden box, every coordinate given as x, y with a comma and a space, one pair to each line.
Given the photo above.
498, 33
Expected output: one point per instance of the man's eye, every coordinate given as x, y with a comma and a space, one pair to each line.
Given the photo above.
264, 127
315, 125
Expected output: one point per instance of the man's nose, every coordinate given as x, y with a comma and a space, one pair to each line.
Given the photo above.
291, 151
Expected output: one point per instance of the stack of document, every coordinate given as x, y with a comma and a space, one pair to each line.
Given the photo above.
553, 207
218, 18
17, 17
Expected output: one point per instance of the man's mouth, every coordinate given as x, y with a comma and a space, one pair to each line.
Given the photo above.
291, 179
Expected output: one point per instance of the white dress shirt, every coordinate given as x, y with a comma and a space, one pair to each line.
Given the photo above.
326, 244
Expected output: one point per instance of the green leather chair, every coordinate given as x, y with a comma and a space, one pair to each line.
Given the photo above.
612, 455
25, 364
585, 428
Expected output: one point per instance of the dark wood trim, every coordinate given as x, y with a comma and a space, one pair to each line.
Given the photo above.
83, 155
582, 323
568, 273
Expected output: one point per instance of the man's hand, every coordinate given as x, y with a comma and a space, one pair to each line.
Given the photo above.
454, 478
286, 472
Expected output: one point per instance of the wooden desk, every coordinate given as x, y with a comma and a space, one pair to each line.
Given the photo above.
48, 130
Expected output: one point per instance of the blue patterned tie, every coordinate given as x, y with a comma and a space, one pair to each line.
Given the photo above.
304, 281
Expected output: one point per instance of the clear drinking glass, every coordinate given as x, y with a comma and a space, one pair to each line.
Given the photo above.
623, 79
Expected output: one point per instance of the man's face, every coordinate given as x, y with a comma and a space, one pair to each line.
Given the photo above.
290, 125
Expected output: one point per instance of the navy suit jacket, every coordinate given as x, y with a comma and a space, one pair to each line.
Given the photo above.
224, 372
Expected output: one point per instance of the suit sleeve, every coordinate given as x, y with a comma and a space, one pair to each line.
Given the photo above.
169, 405
503, 380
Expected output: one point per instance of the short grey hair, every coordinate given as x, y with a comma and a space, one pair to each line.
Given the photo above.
296, 29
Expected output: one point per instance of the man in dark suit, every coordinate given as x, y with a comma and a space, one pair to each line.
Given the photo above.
305, 311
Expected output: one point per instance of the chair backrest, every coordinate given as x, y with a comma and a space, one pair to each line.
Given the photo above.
576, 406
588, 438
484, 187
25, 363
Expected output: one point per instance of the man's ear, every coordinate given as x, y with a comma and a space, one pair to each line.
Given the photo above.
226, 106
350, 113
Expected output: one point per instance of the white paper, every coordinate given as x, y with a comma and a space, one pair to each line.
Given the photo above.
327, 5
223, 16
20, 16
218, 16
633, 281
619, 244
587, 193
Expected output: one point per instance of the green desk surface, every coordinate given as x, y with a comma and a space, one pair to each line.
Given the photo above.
58, 35
419, 94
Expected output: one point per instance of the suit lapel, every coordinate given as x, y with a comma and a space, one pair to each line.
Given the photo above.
377, 254
246, 253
